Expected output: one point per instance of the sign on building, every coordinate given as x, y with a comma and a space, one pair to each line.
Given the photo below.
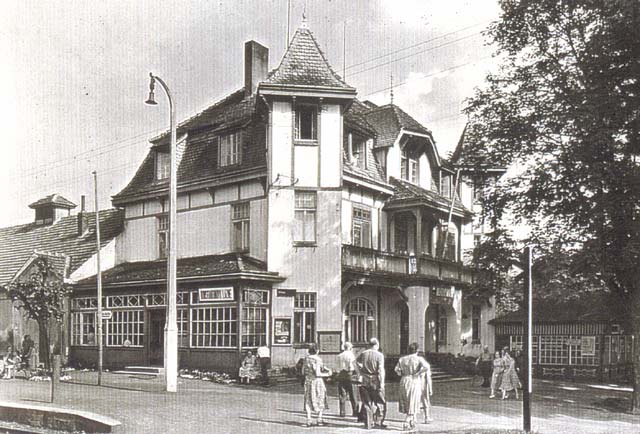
282, 331
215, 294
106, 315
588, 346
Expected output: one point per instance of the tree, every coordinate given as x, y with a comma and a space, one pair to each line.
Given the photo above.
41, 296
563, 111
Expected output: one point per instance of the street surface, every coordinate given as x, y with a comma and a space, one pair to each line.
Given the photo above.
204, 407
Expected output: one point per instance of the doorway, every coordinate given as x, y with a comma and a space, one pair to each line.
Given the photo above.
404, 327
155, 343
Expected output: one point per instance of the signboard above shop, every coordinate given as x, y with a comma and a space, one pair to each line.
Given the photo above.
215, 294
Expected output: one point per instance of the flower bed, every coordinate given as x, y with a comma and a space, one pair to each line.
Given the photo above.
213, 376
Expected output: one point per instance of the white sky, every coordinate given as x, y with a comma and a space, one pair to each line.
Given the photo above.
74, 75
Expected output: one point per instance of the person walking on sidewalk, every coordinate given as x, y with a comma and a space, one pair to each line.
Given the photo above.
347, 366
264, 358
411, 368
496, 375
370, 365
315, 392
483, 364
510, 380
427, 392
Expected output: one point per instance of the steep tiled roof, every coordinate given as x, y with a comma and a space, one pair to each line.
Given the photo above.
53, 199
456, 155
408, 192
187, 267
388, 120
304, 64
18, 243
200, 153
372, 170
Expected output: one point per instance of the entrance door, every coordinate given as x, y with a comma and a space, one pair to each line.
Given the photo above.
155, 343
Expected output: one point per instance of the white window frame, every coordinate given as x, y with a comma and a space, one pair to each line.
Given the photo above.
255, 320
230, 149
241, 226
163, 165
409, 167
361, 318
304, 318
312, 111
125, 324
361, 227
162, 222
81, 323
221, 332
305, 213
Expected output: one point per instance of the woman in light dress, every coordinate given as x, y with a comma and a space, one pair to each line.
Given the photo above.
510, 380
412, 369
315, 392
249, 369
496, 376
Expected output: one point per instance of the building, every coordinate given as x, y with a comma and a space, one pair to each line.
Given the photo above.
67, 242
584, 338
304, 215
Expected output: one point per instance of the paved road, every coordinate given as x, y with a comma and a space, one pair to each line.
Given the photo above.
204, 407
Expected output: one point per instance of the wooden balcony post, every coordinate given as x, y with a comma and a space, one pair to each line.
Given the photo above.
419, 249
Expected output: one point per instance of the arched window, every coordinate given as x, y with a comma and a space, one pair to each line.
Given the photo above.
360, 320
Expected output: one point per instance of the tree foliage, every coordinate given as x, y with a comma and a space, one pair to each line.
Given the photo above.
41, 297
563, 111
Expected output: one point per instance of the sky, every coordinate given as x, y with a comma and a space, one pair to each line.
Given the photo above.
74, 75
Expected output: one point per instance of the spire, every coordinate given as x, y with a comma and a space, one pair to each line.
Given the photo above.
391, 91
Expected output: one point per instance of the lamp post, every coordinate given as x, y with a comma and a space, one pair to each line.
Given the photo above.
171, 326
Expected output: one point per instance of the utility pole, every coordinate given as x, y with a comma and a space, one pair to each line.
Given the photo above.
528, 332
98, 277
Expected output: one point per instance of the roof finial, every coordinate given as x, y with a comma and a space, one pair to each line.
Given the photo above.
304, 18
391, 92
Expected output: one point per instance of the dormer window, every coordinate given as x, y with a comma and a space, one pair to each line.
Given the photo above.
306, 122
229, 147
163, 165
409, 166
445, 186
360, 152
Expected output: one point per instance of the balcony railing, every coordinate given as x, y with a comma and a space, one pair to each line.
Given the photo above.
376, 261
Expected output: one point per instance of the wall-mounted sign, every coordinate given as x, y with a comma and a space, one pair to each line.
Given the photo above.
588, 345
286, 292
106, 314
413, 264
441, 295
215, 294
282, 331
329, 342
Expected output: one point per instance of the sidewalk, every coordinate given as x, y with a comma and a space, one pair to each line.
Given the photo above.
205, 407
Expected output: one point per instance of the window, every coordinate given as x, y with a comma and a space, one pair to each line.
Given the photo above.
360, 320
442, 330
240, 222
213, 327
125, 328
163, 236
408, 166
450, 252
304, 317
478, 190
305, 217
254, 326
359, 152
83, 328
163, 165
552, 350
229, 147
183, 328
445, 186
361, 227
475, 324
477, 240
306, 122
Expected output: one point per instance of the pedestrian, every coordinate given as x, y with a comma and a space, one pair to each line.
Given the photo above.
483, 364
264, 358
347, 367
370, 364
427, 392
10, 361
411, 368
27, 354
315, 392
496, 375
510, 380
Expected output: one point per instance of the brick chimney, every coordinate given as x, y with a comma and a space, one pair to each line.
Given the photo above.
256, 66
83, 223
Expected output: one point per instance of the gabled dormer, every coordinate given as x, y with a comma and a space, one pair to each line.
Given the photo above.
51, 208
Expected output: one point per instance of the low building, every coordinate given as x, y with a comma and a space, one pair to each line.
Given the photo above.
584, 338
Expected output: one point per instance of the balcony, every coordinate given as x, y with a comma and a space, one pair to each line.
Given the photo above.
365, 260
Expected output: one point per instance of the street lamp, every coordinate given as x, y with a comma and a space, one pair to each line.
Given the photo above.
171, 326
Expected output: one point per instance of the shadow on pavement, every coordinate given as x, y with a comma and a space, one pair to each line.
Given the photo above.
328, 425
107, 386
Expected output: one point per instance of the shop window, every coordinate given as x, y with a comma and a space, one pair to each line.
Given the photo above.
83, 330
229, 149
163, 165
360, 322
183, 328
306, 122
125, 328
214, 327
163, 236
254, 326
475, 324
305, 217
304, 317
240, 222
361, 227
553, 351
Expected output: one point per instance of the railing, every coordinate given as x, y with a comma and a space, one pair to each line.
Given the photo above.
371, 260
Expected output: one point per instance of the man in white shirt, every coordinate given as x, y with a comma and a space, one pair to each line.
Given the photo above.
347, 368
264, 357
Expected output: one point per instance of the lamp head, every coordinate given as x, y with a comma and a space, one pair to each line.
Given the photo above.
152, 84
